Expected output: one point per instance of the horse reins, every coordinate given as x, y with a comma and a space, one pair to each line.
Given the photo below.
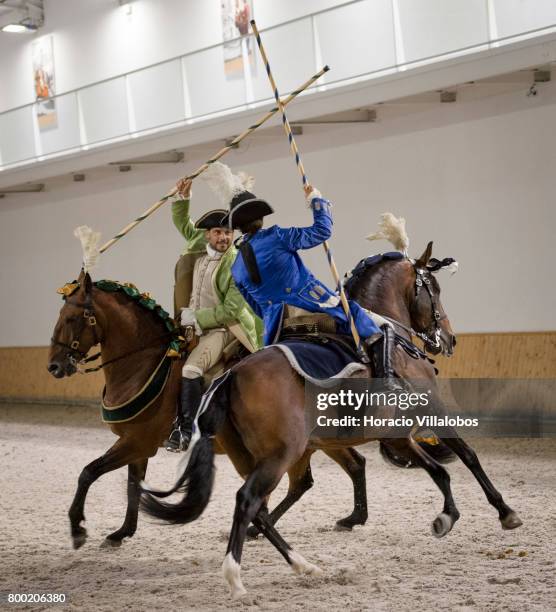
89, 319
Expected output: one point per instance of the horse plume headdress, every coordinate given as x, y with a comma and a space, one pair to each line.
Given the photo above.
89, 243
392, 228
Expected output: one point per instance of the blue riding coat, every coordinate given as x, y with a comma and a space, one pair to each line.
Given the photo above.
286, 280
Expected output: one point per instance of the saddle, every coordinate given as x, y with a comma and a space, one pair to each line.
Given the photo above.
299, 321
299, 324
318, 328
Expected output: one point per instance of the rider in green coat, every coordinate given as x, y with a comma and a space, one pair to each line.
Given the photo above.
232, 309
208, 300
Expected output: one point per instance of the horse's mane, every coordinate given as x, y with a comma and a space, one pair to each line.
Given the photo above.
144, 300
355, 276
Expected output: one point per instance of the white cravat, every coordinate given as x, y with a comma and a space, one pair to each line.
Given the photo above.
213, 252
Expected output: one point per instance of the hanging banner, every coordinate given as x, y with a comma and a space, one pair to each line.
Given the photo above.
43, 75
236, 15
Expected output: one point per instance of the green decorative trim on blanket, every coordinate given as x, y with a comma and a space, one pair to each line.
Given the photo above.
140, 402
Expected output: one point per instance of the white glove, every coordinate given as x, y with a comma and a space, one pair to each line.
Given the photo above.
177, 197
314, 193
378, 320
188, 319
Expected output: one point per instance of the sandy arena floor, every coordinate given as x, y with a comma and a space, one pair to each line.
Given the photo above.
393, 563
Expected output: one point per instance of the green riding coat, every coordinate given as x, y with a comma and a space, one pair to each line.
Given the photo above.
233, 311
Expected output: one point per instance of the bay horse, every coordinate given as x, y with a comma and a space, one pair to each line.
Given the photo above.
256, 412
133, 341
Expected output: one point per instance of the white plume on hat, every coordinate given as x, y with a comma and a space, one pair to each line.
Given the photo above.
89, 243
392, 228
225, 184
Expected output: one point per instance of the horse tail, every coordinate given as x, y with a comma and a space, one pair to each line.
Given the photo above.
197, 478
439, 451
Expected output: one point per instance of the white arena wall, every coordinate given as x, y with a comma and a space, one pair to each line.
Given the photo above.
476, 178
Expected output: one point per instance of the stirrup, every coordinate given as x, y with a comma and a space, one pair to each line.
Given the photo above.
180, 444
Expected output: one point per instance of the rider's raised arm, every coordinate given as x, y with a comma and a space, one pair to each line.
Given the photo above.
182, 219
295, 238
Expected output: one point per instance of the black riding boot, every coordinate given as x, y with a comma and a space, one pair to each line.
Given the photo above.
382, 359
191, 393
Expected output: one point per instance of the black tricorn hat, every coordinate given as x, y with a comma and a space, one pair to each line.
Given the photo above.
244, 208
234, 191
212, 219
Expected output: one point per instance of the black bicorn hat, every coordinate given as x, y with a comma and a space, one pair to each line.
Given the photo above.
212, 219
233, 190
246, 207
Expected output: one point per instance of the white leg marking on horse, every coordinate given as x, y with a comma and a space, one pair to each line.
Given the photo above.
231, 569
301, 565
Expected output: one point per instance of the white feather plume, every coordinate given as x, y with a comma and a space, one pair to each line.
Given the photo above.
392, 228
89, 243
224, 183
247, 181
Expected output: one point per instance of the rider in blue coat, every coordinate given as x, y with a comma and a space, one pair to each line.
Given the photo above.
286, 278
269, 272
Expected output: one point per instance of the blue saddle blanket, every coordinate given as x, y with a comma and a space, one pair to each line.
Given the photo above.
320, 363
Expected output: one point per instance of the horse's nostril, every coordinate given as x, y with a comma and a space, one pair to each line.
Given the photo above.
454, 341
55, 369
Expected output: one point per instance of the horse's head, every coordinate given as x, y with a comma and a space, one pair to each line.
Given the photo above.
76, 330
406, 291
428, 316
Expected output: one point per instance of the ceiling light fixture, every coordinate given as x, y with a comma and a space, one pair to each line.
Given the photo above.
16, 28
21, 16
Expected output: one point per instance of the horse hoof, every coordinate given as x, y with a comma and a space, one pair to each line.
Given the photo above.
301, 566
512, 521
108, 543
231, 573
252, 533
442, 525
79, 539
238, 593
341, 526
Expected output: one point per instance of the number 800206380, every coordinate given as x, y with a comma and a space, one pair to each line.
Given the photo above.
33, 598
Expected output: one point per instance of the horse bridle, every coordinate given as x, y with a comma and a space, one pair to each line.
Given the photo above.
431, 336
88, 320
